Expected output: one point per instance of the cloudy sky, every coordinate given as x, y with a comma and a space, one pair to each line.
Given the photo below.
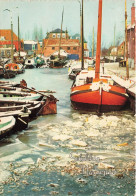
46, 15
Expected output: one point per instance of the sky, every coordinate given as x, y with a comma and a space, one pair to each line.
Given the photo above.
47, 14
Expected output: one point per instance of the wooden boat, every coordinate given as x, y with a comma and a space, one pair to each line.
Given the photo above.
22, 118
75, 69
57, 62
8, 83
9, 74
12, 66
6, 125
49, 105
98, 94
19, 60
2, 71
32, 106
39, 61
73, 73
30, 63
18, 96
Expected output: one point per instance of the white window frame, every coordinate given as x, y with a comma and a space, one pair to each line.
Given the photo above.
54, 35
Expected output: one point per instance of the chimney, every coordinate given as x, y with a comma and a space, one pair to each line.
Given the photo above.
132, 14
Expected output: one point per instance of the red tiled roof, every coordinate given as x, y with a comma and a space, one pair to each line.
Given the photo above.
64, 42
6, 33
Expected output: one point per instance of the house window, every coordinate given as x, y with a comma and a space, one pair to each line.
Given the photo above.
58, 35
63, 35
54, 35
68, 48
74, 48
53, 48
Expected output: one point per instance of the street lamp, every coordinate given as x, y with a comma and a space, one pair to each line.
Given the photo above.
11, 34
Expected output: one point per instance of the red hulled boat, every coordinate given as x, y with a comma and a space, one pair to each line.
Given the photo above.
98, 93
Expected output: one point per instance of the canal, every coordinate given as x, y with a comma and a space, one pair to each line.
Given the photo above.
70, 153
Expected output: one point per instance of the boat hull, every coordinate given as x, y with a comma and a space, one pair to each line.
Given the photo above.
29, 66
7, 126
99, 100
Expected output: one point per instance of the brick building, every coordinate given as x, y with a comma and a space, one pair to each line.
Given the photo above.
131, 36
5, 42
71, 46
121, 49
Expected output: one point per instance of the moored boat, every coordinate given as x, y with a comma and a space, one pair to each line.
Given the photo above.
22, 118
30, 63
6, 125
2, 71
17, 96
9, 74
32, 106
98, 94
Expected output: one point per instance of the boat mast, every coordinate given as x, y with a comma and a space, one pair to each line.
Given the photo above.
82, 37
98, 51
12, 52
114, 52
61, 33
18, 39
93, 44
126, 44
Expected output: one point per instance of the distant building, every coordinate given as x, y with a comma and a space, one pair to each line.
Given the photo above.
71, 46
131, 36
30, 46
55, 34
121, 49
5, 42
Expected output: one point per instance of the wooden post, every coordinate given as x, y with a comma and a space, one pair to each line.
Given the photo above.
12, 52
61, 33
93, 44
18, 39
126, 43
98, 51
135, 46
82, 36
114, 42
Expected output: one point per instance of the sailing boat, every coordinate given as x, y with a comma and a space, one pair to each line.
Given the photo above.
58, 61
98, 93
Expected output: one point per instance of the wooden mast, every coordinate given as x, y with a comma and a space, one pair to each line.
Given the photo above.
98, 51
61, 33
12, 52
18, 39
126, 44
114, 52
82, 37
93, 44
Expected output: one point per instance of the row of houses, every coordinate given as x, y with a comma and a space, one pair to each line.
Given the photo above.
131, 39
70, 45
47, 47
